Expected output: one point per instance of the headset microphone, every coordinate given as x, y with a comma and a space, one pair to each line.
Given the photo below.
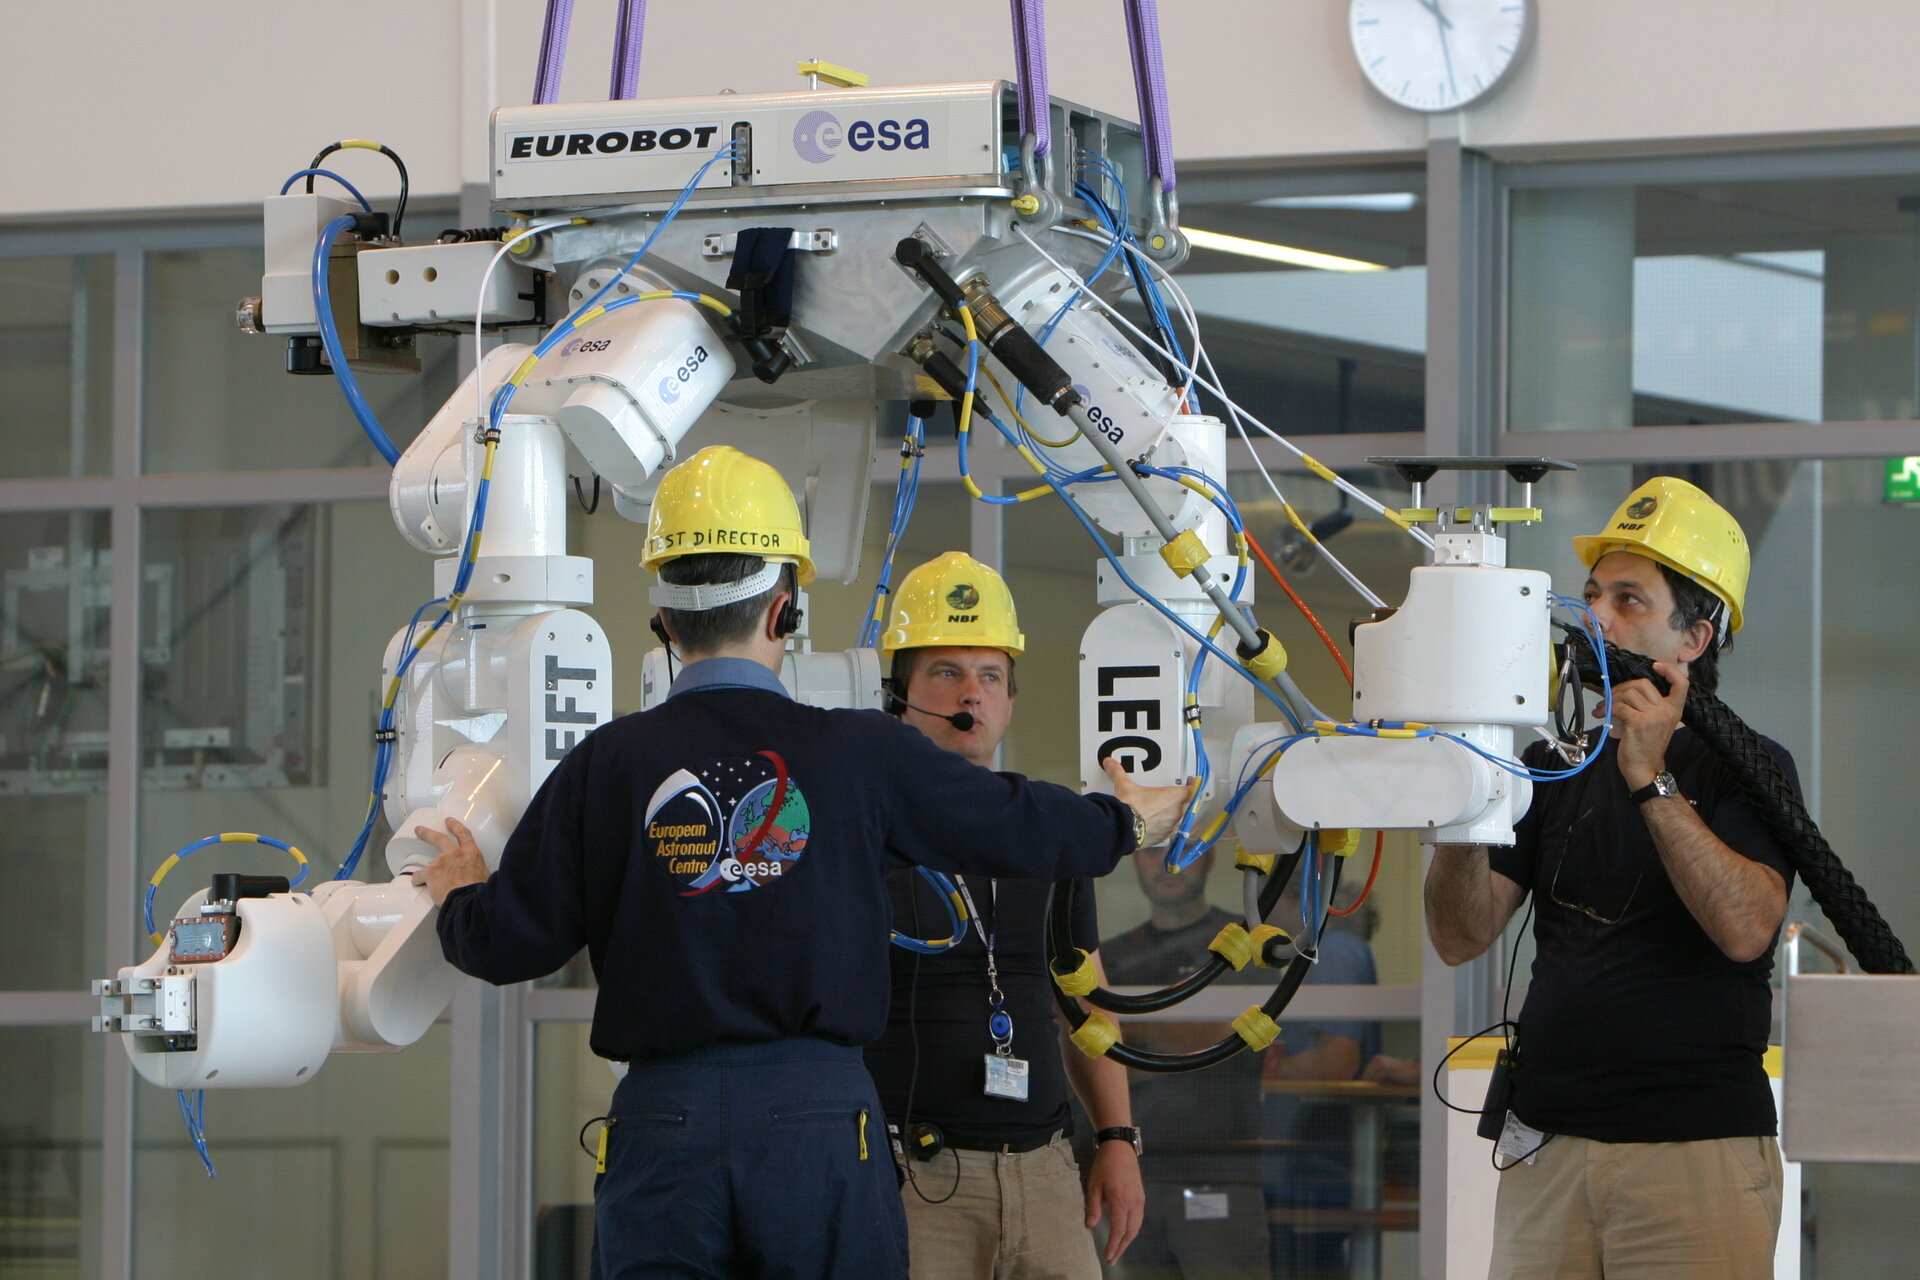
961, 720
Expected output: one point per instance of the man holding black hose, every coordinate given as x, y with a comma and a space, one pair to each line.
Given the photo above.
1639, 1136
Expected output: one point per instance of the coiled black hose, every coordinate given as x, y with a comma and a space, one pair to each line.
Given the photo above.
1065, 959
1854, 917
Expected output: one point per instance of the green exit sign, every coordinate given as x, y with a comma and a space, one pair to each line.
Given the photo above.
1903, 480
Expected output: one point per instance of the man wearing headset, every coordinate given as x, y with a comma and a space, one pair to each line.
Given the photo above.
973, 1068
723, 859
1639, 1134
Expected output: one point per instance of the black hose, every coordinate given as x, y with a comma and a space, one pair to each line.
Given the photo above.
399, 205
1854, 917
1065, 958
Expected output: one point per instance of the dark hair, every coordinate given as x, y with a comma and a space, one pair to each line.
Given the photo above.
705, 630
1694, 603
907, 661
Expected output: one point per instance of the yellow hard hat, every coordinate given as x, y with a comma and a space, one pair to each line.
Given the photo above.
720, 499
954, 600
1672, 522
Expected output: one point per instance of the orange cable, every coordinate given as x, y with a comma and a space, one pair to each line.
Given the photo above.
1287, 587
1379, 845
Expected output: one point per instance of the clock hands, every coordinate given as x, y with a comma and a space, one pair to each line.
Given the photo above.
1433, 7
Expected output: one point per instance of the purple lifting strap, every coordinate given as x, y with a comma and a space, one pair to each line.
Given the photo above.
1150, 88
626, 49
553, 50
1030, 67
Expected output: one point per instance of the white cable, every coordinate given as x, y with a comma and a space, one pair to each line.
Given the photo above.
1234, 412
1360, 588
1186, 307
1365, 500
479, 349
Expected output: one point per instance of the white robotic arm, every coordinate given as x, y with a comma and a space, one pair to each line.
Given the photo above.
480, 708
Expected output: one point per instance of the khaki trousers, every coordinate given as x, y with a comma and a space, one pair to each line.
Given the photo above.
1010, 1217
1639, 1211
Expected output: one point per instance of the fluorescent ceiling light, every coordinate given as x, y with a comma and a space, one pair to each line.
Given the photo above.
1381, 202
1268, 252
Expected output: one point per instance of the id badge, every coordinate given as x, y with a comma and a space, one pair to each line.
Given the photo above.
1518, 1141
1006, 1077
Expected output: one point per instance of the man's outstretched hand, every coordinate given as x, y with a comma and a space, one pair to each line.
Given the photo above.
1161, 807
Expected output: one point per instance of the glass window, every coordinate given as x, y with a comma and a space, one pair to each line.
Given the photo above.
56, 365
218, 399
261, 646
50, 1152
1312, 297
343, 1176
1712, 302
55, 571
571, 1088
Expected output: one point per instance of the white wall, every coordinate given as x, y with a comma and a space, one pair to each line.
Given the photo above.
127, 106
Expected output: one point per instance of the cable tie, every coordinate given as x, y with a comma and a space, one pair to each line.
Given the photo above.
386, 735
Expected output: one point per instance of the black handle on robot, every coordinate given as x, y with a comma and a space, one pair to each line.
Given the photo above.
1005, 337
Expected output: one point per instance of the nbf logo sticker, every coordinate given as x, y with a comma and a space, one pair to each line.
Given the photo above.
818, 136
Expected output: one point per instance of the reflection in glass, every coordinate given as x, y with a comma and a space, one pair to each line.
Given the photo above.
54, 613
571, 1087
1313, 351
343, 1176
56, 365
49, 1152
218, 399
261, 642
1698, 303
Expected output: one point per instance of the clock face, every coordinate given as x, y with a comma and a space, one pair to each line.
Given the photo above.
1438, 55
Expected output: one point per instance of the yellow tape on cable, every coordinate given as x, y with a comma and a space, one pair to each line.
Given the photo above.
1270, 661
1261, 936
1340, 842
1185, 553
1232, 944
1256, 1028
1261, 862
1082, 981
1096, 1035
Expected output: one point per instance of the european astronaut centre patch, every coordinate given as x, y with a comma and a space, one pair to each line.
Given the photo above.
729, 825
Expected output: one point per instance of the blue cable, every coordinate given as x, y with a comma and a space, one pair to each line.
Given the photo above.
327, 173
905, 494
1146, 596
673, 210
330, 340
205, 842
957, 927
193, 1110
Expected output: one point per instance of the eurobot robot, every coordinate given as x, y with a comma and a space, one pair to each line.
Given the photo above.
765, 271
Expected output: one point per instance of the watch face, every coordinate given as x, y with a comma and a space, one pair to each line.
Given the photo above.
1438, 55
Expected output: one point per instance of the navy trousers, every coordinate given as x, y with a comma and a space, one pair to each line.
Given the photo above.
767, 1161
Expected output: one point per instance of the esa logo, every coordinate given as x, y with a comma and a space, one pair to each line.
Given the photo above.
819, 135
585, 346
670, 385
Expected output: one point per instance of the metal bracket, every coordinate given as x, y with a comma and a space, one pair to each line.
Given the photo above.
825, 240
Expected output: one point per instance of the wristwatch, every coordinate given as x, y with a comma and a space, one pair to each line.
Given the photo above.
1120, 1133
1662, 786
1139, 829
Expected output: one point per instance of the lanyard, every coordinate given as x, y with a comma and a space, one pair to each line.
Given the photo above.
999, 1022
